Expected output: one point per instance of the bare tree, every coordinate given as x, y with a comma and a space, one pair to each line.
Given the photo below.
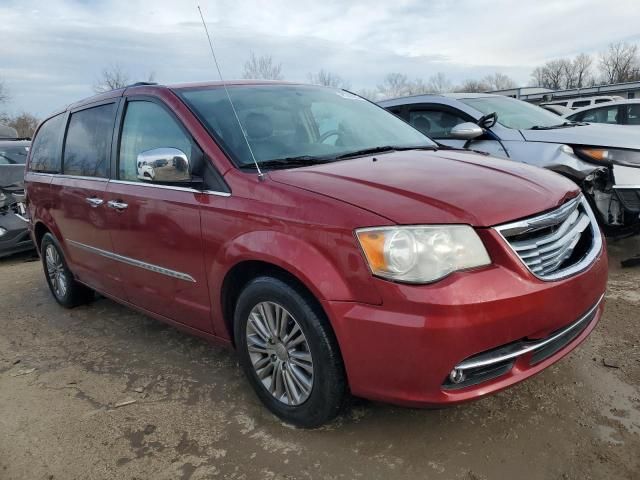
24, 123
329, 79
582, 70
439, 83
551, 75
370, 94
4, 94
471, 85
114, 77
394, 85
398, 85
262, 68
620, 63
111, 78
499, 81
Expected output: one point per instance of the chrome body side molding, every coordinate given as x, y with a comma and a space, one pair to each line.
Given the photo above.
132, 261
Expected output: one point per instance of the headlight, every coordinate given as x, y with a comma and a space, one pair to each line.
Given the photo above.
421, 254
630, 158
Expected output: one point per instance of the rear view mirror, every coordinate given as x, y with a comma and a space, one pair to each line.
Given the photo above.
166, 165
466, 131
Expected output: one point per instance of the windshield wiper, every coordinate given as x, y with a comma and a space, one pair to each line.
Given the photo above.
560, 125
290, 162
384, 149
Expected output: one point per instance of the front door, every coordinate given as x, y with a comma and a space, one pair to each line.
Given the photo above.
155, 228
78, 198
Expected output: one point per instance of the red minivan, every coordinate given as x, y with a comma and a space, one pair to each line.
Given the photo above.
338, 249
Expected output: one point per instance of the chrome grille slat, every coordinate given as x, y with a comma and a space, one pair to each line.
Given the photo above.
545, 257
552, 237
557, 235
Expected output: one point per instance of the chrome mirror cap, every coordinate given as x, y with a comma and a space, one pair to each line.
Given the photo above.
466, 131
169, 165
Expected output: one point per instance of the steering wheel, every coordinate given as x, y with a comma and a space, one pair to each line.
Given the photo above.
329, 134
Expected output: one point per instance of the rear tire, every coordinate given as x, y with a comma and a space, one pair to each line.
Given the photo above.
289, 353
65, 289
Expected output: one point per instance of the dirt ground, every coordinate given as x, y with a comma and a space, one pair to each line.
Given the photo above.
65, 375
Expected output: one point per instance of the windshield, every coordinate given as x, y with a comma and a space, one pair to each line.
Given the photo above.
11, 154
514, 113
297, 123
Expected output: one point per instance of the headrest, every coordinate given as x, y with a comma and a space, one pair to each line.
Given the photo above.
422, 123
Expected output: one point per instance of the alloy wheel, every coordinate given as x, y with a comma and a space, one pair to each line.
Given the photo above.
56, 271
279, 353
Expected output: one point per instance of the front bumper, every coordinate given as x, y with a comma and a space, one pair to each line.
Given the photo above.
404, 350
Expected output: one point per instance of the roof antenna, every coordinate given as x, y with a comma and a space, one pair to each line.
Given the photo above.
224, 84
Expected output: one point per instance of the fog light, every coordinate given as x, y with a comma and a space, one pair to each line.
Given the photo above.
2, 231
457, 376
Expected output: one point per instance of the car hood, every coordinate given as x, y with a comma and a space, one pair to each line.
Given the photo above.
597, 135
447, 186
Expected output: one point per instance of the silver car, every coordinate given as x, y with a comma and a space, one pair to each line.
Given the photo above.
603, 159
624, 112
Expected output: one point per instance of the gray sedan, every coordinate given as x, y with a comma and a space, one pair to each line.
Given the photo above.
604, 160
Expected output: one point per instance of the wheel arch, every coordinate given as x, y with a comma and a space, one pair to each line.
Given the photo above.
319, 274
39, 231
244, 272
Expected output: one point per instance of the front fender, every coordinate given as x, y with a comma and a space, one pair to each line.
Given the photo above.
553, 157
339, 275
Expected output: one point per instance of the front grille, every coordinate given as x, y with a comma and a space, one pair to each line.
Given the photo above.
556, 244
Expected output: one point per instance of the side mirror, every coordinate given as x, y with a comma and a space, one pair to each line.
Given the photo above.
466, 131
488, 120
168, 165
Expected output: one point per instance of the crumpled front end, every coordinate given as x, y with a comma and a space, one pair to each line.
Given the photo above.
14, 223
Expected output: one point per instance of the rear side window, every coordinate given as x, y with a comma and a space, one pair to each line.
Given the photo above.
602, 100
45, 150
88, 142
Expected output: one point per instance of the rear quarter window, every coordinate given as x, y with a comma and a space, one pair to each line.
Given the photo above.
45, 149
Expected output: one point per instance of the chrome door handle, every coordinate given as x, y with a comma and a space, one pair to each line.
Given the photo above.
94, 201
116, 205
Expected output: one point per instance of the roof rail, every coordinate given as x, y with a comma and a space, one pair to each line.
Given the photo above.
140, 84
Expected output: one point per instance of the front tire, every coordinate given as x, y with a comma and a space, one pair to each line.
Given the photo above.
65, 289
289, 353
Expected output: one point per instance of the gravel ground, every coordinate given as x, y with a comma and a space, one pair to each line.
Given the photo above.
103, 392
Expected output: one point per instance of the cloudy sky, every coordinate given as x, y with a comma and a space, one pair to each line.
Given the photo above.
52, 51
